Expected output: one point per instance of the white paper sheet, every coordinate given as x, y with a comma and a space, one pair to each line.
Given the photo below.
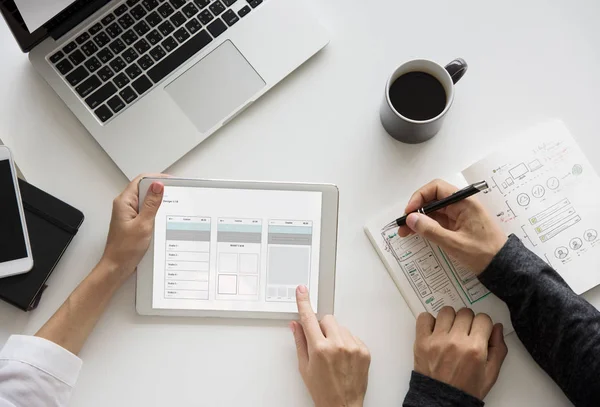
545, 191
36, 13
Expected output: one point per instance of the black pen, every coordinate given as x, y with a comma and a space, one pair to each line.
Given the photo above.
437, 205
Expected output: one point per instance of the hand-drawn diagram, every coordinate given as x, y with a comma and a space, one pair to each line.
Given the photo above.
554, 220
538, 191
523, 199
467, 280
561, 253
519, 171
431, 277
405, 248
553, 183
575, 243
552, 202
535, 165
590, 235
517, 174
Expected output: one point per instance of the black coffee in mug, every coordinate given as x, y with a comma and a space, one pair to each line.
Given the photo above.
418, 96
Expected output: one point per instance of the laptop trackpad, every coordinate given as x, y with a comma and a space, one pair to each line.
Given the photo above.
218, 85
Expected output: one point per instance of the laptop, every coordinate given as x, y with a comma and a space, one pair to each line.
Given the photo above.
151, 79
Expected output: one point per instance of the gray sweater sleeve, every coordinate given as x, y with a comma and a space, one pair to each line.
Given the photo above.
560, 330
427, 392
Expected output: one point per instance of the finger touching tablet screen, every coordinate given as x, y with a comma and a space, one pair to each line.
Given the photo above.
239, 249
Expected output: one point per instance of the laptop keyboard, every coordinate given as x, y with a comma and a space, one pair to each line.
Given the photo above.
129, 50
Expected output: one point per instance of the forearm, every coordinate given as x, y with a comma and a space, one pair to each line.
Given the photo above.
71, 325
560, 329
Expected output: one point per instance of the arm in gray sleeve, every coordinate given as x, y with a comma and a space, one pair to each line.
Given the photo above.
427, 392
560, 330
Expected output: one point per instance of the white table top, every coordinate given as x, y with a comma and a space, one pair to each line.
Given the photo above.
529, 61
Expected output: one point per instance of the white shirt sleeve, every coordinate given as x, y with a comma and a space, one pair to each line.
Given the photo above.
35, 372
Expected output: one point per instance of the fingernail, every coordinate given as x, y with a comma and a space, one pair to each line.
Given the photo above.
412, 221
157, 187
293, 327
302, 289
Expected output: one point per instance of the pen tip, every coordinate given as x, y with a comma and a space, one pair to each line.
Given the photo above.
389, 226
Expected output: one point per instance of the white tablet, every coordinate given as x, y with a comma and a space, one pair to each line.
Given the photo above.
239, 249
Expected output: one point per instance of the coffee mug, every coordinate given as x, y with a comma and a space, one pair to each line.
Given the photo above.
417, 97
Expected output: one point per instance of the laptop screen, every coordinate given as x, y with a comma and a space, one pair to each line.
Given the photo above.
58, 24
37, 13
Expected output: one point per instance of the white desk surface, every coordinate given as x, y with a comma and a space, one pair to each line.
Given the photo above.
529, 61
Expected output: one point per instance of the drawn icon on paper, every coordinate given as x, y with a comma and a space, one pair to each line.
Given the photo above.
535, 165
552, 183
590, 235
575, 243
523, 199
577, 169
538, 191
561, 252
519, 171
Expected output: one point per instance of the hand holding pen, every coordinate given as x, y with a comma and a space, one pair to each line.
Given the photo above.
463, 228
441, 204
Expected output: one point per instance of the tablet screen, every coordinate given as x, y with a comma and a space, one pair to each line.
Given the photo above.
235, 249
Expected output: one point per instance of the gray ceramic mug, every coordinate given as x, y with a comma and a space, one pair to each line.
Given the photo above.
417, 131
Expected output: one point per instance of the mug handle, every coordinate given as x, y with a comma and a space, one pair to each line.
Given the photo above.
457, 69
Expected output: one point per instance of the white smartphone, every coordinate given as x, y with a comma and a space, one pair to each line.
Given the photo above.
15, 249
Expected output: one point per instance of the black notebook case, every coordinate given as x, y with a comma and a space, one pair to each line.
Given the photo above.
51, 224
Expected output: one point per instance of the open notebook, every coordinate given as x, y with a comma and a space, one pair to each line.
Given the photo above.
542, 189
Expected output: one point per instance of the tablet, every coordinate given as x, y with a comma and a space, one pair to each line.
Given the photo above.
239, 249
